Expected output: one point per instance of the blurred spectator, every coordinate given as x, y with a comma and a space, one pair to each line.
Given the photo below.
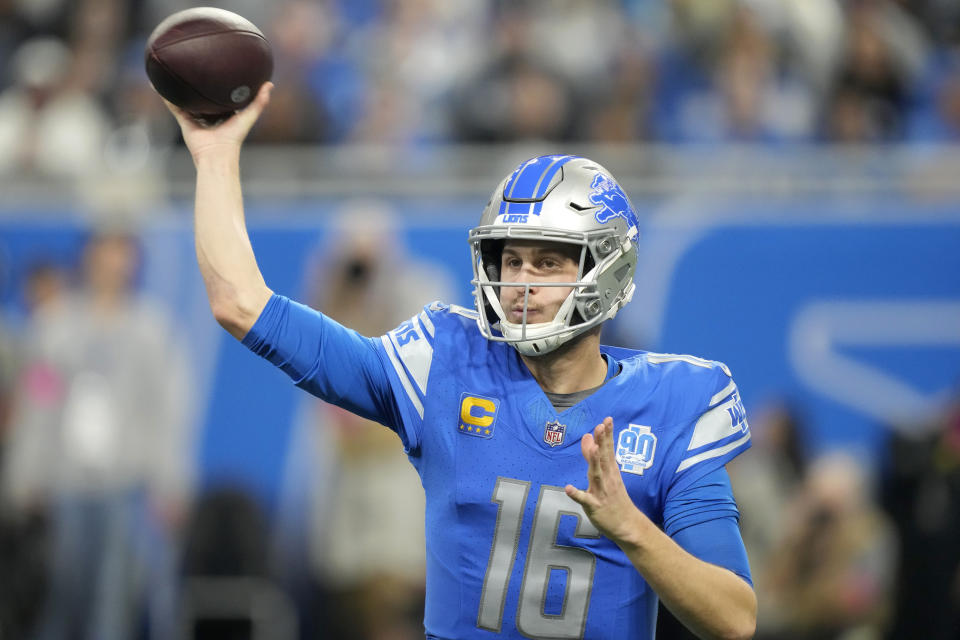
22, 536
24, 528
922, 495
225, 560
515, 99
371, 577
948, 106
875, 79
45, 290
100, 443
414, 56
940, 18
388, 115
96, 40
767, 481
831, 573
848, 118
48, 124
141, 122
622, 109
761, 102
26, 19
26, 487
936, 116
811, 33
516, 96
734, 86
8, 368
301, 35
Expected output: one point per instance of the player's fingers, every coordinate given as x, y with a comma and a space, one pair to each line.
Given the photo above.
580, 496
608, 439
604, 438
263, 95
589, 449
596, 473
587, 445
183, 119
251, 112
260, 102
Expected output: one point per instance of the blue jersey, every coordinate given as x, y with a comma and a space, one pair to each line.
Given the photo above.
509, 554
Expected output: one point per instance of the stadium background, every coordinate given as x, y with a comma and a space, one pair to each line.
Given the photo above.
795, 169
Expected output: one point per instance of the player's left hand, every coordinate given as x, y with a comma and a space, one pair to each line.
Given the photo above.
606, 501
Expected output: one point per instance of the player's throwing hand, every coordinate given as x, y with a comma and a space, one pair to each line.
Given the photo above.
228, 135
605, 501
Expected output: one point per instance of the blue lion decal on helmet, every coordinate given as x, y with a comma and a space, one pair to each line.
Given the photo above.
608, 194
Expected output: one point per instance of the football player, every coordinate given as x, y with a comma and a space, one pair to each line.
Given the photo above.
506, 409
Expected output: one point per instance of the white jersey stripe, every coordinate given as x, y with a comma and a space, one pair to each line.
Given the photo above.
713, 453
660, 358
715, 424
416, 356
717, 397
427, 324
402, 374
463, 311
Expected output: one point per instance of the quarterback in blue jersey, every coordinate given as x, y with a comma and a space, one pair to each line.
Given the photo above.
569, 485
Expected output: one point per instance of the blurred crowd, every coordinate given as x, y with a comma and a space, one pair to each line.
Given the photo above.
96, 472
105, 532
74, 97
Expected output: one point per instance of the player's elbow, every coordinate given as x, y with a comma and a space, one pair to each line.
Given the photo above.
738, 620
227, 316
237, 314
743, 630
743, 626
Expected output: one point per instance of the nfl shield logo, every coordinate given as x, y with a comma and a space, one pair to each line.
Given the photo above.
553, 434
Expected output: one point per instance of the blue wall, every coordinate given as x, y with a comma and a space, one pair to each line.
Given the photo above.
851, 310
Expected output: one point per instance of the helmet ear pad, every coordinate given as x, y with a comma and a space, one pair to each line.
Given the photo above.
491, 252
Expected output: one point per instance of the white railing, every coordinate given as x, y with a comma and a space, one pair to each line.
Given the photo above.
644, 170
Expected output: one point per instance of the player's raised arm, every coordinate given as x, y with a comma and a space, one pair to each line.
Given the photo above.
235, 286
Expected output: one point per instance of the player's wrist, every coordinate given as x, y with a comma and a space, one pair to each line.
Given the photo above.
221, 155
635, 533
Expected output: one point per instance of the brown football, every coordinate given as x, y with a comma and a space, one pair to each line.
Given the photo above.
209, 62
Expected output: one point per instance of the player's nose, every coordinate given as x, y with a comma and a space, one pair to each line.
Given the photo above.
524, 285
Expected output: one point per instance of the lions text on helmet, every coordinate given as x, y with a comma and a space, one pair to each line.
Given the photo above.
576, 206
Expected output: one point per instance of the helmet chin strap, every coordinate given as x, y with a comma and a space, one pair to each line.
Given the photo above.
542, 337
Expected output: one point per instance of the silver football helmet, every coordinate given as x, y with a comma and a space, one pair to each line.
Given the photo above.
565, 199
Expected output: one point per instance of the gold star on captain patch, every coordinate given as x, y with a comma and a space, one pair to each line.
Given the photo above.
469, 428
486, 431
461, 427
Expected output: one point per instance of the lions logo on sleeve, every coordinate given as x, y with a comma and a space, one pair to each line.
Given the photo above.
721, 430
716, 434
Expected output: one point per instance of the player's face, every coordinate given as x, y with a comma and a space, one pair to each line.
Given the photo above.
537, 261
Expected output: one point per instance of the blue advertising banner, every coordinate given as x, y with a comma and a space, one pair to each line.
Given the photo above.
849, 312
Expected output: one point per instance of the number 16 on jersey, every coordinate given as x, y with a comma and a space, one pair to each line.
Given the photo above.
543, 556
